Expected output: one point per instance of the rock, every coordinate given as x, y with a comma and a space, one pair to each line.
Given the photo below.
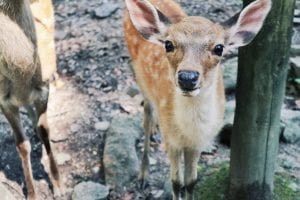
62, 158
157, 193
105, 10
152, 161
295, 50
295, 66
167, 190
75, 128
296, 20
230, 74
133, 90
102, 126
121, 164
229, 112
297, 13
5, 193
96, 169
291, 121
60, 35
90, 191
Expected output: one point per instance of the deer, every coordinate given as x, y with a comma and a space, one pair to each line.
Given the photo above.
22, 85
177, 64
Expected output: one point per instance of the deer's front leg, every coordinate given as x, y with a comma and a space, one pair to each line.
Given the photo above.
191, 157
149, 127
23, 146
174, 156
44, 135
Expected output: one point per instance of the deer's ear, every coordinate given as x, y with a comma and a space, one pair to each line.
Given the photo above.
249, 23
148, 21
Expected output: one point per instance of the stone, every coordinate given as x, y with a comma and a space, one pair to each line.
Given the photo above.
230, 74
75, 128
133, 91
295, 49
295, 66
121, 164
167, 190
105, 10
296, 20
90, 191
291, 121
5, 193
60, 35
157, 193
229, 112
152, 161
102, 126
62, 158
297, 13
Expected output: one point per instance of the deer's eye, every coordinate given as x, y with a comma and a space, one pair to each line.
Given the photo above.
218, 50
169, 46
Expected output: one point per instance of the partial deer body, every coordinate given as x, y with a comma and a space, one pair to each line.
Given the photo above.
176, 60
21, 84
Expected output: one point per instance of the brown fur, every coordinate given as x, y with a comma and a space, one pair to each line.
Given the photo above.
155, 72
177, 66
21, 83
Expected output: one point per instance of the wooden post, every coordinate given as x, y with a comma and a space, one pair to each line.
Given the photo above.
260, 91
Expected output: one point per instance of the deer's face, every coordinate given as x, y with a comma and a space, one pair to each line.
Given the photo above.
194, 45
194, 48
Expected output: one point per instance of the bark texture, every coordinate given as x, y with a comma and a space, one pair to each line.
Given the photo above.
262, 72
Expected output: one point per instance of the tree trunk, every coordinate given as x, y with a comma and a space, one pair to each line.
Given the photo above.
260, 91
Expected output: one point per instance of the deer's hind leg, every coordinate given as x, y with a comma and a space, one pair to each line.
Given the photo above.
23, 146
149, 128
44, 135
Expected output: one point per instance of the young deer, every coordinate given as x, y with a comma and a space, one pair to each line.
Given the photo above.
176, 61
22, 85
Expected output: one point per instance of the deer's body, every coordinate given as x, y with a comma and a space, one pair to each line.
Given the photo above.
193, 122
176, 60
19, 62
21, 83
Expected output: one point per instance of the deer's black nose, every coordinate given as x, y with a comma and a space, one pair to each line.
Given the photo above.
187, 79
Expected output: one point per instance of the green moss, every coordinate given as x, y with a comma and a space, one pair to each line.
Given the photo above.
282, 189
214, 181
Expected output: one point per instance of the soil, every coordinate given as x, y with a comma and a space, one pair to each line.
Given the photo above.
94, 77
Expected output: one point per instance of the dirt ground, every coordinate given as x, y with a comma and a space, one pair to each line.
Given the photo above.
94, 78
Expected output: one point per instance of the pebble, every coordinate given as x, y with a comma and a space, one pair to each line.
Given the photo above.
95, 169
102, 126
133, 91
90, 191
62, 158
152, 161
74, 128
105, 10
157, 193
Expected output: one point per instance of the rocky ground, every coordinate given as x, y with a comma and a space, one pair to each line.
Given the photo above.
95, 111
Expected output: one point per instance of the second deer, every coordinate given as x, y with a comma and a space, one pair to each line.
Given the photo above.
176, 60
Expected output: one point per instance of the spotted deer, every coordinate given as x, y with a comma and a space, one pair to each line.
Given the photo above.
176, 60
22, 85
